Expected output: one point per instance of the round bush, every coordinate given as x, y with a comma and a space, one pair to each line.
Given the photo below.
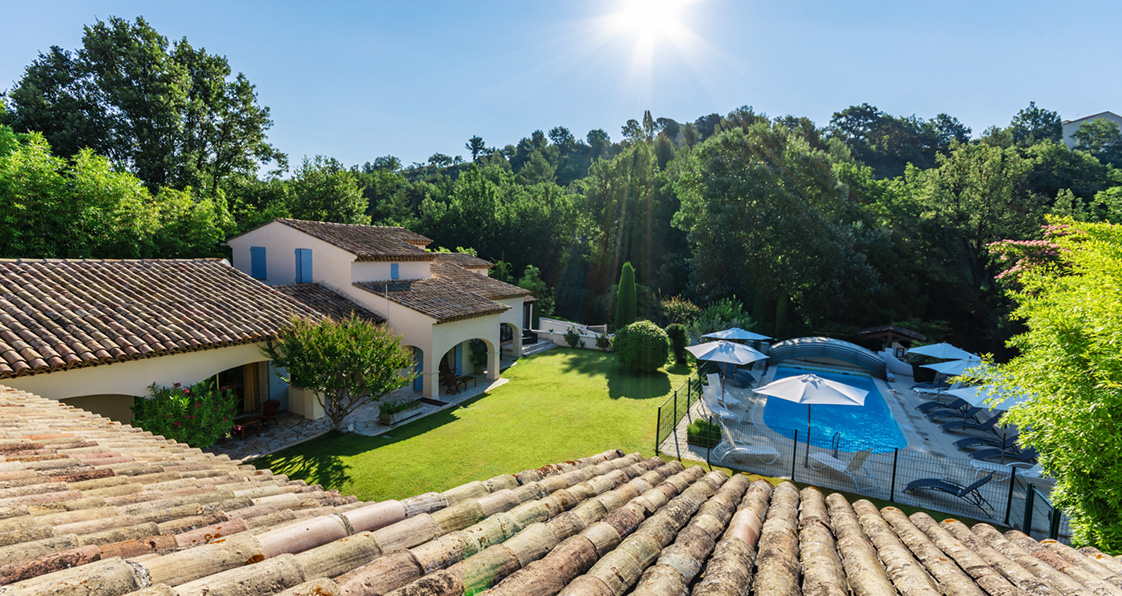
677, 334
642, 346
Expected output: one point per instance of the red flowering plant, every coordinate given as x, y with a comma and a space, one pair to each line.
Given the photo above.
198, 415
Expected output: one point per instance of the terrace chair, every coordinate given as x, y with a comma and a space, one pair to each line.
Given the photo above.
937, 415
269, 411
453, 383
970, 494
990, 441
1027, 456
717, 387
709, 397
730, 449
958, 404
936, 390
960, 425
853, 468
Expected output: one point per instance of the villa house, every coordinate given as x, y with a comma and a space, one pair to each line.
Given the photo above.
1070, 127
97, 333
437, 302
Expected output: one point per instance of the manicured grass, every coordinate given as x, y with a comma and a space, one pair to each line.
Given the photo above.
561, 404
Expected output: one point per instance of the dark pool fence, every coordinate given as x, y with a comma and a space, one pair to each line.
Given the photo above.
676, 408
903, 476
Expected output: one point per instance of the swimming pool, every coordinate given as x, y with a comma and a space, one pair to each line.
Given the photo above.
870, 426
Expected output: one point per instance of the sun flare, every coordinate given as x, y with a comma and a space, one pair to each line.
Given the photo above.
648, 20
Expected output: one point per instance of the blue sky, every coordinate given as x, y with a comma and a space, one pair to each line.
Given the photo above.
356, 80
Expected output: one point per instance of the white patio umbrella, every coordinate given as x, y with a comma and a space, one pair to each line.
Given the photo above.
944, 351
726, 352
989, 396
953, 367
811, 389
736, 333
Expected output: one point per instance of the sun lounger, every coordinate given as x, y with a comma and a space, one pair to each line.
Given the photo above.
990, 441
961, 425
853, 468
958, 404
970, 494
1005, 455
730, 450
709, 395
938, 415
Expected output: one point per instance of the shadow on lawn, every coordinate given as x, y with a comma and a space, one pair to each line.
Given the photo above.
622, 383
320, 461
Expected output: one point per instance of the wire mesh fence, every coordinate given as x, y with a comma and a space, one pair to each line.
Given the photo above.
675, 408
1008, 493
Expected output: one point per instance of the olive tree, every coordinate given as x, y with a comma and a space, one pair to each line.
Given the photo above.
348, 363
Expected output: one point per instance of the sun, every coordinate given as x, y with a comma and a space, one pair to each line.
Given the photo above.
650, 20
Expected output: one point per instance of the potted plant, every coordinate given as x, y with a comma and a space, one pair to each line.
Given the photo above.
392, 411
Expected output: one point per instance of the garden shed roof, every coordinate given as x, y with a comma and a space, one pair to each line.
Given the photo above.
97, 508
62, 314
367, 243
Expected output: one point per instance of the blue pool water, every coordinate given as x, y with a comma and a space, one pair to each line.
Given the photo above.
870, 426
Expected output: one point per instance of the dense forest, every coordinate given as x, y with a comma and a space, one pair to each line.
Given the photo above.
134, 146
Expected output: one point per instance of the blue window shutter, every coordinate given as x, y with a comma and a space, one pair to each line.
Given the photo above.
257, 262
393, 271
419, 368
303, 265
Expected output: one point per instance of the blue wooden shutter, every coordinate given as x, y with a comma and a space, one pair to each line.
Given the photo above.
303, 265
393, 271
257, 262
419, 368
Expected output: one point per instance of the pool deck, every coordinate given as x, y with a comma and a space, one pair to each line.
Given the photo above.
930, 453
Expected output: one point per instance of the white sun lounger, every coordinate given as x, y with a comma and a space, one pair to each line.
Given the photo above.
853, 468
709, 397
731, 450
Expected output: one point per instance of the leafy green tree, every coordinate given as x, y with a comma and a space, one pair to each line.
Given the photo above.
626, 301
598, 143
476, 146
1070, 365
1033, 124
1101, 138
536, 170
531, 280
642, 346
198, 415
171, 114
678, 341
632, 131
323, 190
348, 363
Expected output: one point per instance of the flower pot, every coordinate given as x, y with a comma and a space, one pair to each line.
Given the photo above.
392, 419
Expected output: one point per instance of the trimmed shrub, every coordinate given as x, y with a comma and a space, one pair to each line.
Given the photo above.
703, 433
679, 310
572, 337
198, 415
603, 342
678, 341
642, 346
477, 354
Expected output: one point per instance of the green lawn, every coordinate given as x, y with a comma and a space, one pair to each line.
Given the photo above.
560, 404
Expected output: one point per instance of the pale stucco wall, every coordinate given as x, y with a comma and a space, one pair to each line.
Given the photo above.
380, 270
113, 407
1071, 127
330, 265
134, 376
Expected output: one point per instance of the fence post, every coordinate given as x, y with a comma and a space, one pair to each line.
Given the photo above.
658, 430
892, 487
1054, 526
1030, 496
794, 454
1012, 486
709, 443
676, 419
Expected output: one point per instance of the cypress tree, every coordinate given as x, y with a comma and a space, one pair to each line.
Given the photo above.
625, 297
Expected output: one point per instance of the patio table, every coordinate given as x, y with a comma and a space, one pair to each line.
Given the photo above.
246, 422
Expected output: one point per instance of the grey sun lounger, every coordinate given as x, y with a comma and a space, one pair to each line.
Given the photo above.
938, 415
1027, 456
990, 441
970, 493
987, 426
958, 404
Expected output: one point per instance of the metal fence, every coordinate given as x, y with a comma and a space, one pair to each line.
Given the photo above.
675, 408
1000, 493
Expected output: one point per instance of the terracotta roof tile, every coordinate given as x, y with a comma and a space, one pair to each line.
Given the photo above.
441, 299
463, 260
487, 287
65, 313
367, 243
328, 302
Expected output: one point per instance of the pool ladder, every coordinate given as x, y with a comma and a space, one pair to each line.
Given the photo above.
835, 443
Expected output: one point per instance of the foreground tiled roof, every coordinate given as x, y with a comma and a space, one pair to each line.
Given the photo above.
93, 508
481, 285
328, 302
441, 299
463, 260
367, 243
61, 314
